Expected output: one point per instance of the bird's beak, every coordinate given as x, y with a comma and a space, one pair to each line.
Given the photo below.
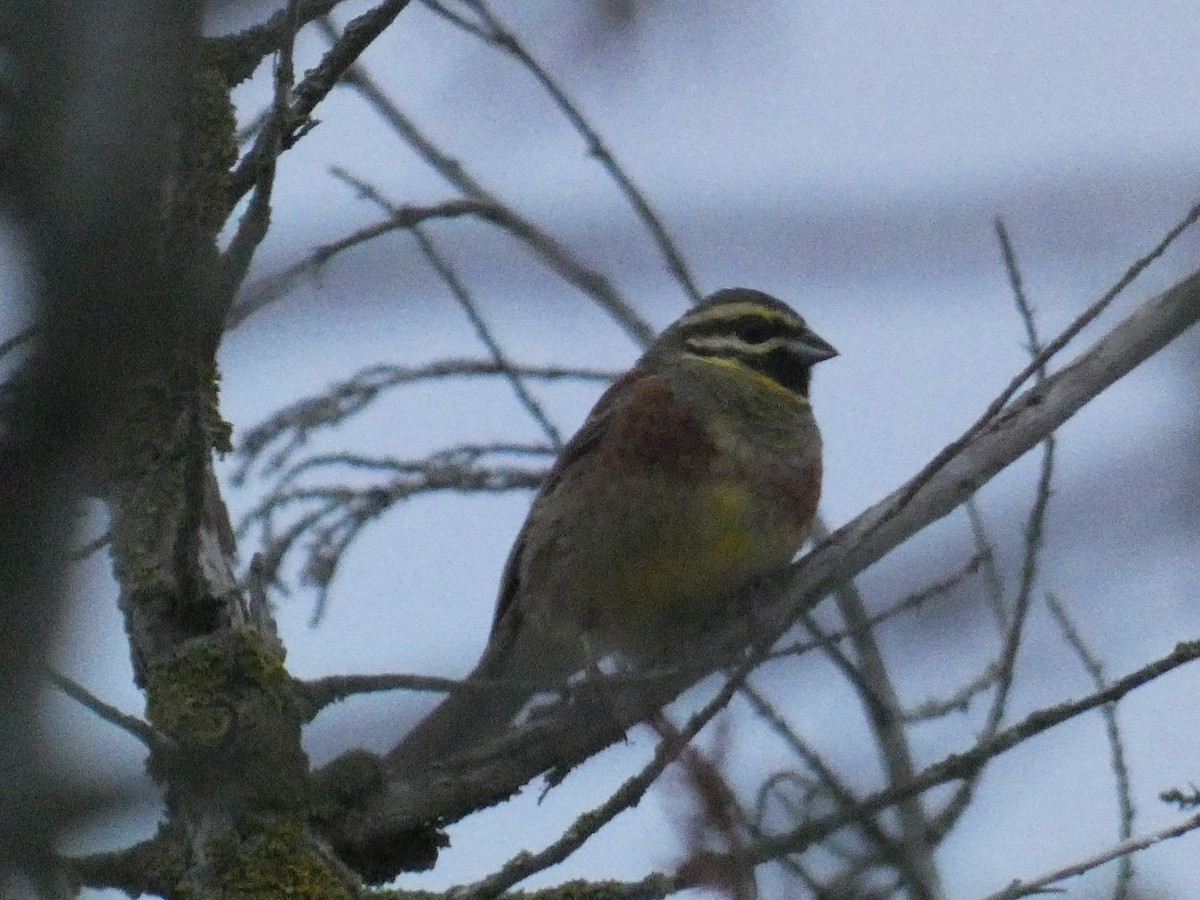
810, 349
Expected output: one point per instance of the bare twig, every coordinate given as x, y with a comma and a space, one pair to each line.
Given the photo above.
297, 422
1003, 670
1038, 363
959, 701
494, 32
317, 83
870, 677
842, 794
557, 256
1017, 284
338, 513
252, 228
964, 765
484, 333
130, 724
913, 601
1116, 746
1118, 851
401, 218
1037, 516
467, 303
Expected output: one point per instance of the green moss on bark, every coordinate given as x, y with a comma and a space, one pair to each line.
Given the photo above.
198, 697
281, 861
227, 704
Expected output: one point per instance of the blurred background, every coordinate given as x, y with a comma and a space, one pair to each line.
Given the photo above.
849, 158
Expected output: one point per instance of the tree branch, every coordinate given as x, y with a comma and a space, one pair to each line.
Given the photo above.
557, 256
963, 765
1119, 851
240, 53
495, 32
478, 780
317, 83
140, 729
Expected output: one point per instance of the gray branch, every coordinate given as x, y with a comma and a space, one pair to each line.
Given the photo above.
409, 798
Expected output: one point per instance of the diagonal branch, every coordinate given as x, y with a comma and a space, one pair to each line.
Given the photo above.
140, 729
316, 85
467, 302
871, 679
963, 765
556, 255
1122, 850
239, 54
1038, 363
263, 293
1113, 732
407, 801
495, 32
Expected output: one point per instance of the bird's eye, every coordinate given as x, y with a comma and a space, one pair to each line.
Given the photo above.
755, 331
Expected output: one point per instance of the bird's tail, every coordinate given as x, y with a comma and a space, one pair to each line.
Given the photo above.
474, 714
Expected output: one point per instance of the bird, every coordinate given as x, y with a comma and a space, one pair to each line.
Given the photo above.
697, 472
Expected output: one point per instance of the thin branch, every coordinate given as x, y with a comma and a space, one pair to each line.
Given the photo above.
1037, 364
484, 333
883, 710
964, 765
497, 34
317, 83
845, 797
1035, 527
1003, 671
1118, 851
1017, 285
401, 218
350, 397
913, 601
140, 729
467, 303
959, 701
252, 229
241, 53
556, 255
1116, 746
341, 512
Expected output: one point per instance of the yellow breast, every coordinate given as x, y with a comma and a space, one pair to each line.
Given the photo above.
670, 580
